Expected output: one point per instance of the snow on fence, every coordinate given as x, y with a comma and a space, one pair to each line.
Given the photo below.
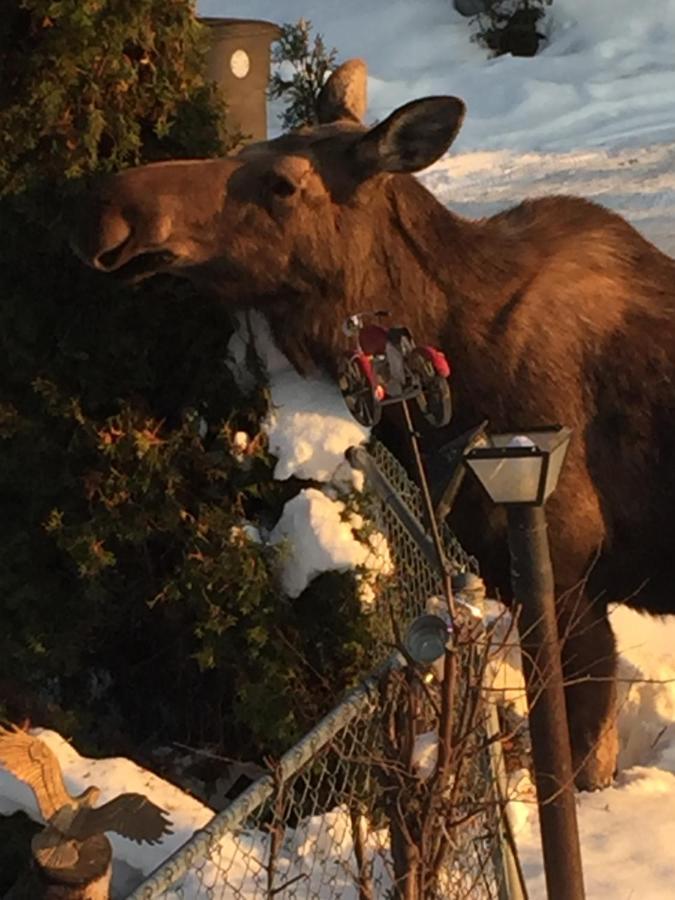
358, 809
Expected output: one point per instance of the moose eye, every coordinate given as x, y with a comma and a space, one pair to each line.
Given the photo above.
282, 186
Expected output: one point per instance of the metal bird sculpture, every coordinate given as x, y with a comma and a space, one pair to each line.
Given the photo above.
71, 820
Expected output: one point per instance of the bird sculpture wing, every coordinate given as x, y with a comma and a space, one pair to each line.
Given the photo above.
131, 815
30, 760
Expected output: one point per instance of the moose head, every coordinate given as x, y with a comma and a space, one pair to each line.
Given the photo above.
284, 221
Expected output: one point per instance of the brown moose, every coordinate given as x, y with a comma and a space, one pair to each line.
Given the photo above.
556, 310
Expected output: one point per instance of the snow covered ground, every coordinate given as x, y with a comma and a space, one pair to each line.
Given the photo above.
626, 830
593, 114
638, 182
606, 78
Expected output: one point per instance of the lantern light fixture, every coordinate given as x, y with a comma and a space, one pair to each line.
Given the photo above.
521, 467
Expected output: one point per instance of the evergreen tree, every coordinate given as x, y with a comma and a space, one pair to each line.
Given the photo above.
134, 607
512, 26
303, 66
87, 85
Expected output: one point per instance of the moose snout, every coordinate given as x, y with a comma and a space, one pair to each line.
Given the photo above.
140, 221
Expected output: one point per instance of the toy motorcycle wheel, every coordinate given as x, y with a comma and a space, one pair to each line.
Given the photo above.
434, 398
357, 389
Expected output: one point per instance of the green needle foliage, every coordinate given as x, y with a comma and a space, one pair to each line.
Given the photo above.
96, 84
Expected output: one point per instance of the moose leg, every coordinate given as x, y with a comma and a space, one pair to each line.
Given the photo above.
589, 670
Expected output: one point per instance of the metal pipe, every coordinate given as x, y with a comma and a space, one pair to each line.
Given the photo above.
428, 510
533, 586
360, 459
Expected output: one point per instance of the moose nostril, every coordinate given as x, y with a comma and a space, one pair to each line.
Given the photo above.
110, 258
113, 235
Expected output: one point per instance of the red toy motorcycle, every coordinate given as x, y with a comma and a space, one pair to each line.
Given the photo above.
386, 367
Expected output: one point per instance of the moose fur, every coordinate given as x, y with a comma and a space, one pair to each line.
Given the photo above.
554, 311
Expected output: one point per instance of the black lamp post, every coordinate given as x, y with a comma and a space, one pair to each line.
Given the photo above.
520, 470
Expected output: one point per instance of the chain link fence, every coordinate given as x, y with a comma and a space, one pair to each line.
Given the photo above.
393, 505
389, 795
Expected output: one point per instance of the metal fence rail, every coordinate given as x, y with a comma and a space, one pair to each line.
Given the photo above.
333, 818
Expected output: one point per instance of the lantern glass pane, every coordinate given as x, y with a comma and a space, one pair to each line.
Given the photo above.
511, 439
555, 461
548, 440
509, 479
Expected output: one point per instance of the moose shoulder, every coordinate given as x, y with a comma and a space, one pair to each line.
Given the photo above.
556, 310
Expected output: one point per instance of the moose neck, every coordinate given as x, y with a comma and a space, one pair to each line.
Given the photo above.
465, 269
442, 276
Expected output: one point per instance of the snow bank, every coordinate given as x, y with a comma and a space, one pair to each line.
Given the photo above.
236, 864
646, 690
637, 182
318, 855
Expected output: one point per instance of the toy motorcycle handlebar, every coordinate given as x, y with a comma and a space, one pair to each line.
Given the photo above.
354, 323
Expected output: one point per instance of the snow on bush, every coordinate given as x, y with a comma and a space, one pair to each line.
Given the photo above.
308, 426
309, 429
320, 533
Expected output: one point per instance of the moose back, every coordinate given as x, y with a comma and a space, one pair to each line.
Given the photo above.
555, 310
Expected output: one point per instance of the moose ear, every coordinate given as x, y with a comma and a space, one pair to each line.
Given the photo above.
412, 137
344, 95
